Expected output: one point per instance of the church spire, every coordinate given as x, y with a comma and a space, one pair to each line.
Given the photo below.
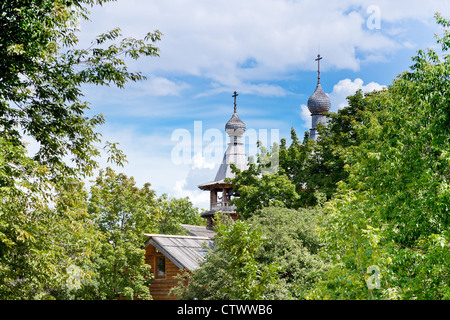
221, 191
235, 126
318, 104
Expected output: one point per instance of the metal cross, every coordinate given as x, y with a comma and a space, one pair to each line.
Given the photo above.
235, 105
318, 63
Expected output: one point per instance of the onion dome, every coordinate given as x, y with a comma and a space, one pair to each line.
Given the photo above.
319, 102
235, 126
235, 123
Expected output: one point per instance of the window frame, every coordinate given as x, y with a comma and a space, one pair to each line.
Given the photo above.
160, 273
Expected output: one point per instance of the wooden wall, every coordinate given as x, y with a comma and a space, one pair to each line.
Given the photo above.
160, 287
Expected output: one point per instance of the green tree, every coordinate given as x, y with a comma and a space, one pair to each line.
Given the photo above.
231, 271
325, 164
272, 255
122, 213
173, 212
80, 238
292, 243
294, 164
41, 75
258, 191
304, 171
263, 184
26, 268
42, 72
392, 213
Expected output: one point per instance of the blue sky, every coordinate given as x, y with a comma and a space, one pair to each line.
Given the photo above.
263, 49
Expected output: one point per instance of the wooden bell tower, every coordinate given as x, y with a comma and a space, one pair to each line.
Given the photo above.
221, 192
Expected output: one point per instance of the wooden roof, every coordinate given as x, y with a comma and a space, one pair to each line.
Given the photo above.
215, 185
198, 231
184, 251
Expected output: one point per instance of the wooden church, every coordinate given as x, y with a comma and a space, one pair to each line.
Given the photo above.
172, 255
221, 192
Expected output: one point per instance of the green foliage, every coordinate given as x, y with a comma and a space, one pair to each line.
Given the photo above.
39, 244
22, 213
376, 184
247, 279
231, 271
393, 210
326, 165
42, 72
172, 213
272, 255
296, 176
116, 202
291, 243
79, 237
122, 213
47, 239
294, 164
257, 191
381, 164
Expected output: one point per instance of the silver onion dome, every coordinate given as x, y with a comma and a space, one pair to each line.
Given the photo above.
235, 124
319, 102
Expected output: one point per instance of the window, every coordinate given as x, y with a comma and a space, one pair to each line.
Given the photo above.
161, 268
202, 252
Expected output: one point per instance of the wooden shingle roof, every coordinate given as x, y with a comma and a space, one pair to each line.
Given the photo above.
198, 231
184, 251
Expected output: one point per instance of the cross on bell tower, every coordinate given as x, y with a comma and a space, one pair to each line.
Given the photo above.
235, 95
318, 66
221, 189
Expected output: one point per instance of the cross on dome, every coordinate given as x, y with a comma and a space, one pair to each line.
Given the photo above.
318, 66
235, 95
319, 102
235, 125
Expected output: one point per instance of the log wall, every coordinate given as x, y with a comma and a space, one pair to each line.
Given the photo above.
160, 287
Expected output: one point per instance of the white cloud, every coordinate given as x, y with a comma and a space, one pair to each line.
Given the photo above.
199, 198
200, 162
305, 115
159, 86
237, 45
264, 90
149, 160
422, 10
347, 87
148, 157
217, 39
